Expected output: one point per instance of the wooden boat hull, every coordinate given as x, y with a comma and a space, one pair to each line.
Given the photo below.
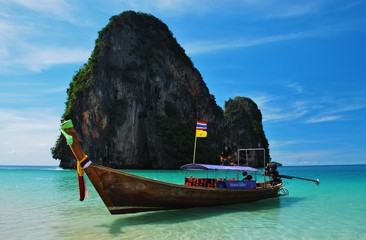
126, 193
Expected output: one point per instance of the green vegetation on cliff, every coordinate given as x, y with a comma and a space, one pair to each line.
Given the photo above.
81, 81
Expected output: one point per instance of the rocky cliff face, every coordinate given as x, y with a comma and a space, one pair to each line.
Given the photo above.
136, 102
244, 129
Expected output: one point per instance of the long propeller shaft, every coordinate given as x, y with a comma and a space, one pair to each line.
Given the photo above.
316, 181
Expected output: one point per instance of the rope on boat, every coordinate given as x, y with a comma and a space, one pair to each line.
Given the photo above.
50, 205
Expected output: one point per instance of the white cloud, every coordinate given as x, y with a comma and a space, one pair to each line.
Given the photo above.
27, 136
39, 58
347, 107
9, 36
276, 108
320, 119
305, 157
58, 9
16, 47
318, 157
29, 43
305, 108
296, 87
285, 143
36, 58
292, 9
200, 47
264, 8
172, 7
331, 110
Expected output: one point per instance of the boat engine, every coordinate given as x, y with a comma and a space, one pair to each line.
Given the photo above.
271, 170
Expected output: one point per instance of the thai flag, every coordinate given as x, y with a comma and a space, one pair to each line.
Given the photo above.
201, 125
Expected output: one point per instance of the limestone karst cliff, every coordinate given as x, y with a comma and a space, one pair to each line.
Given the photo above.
244, 129
136, 101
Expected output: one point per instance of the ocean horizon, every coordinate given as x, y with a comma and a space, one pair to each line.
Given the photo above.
42, 202
57, 166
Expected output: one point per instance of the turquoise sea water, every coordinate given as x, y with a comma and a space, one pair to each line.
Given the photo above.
42, 203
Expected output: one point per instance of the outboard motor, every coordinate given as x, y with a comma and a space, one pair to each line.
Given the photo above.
271, 170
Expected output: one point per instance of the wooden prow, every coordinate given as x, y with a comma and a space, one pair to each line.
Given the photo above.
67, 129
72, 139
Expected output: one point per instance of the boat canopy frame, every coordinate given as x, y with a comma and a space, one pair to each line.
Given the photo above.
197, 166
217, 169
254, 149
224, 168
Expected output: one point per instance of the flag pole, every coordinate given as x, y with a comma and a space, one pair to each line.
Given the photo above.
201, 131
194, 151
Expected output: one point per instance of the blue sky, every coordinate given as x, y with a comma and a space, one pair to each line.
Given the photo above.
302, 62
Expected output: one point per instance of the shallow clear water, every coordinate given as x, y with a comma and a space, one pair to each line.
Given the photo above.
42, 203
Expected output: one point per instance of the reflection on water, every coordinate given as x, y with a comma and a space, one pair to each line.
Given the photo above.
193, 214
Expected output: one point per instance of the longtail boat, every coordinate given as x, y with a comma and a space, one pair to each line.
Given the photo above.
123, 192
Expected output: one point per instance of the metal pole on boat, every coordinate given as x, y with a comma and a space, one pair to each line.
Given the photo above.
264, 159
194, 151
316, 181
246, 157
